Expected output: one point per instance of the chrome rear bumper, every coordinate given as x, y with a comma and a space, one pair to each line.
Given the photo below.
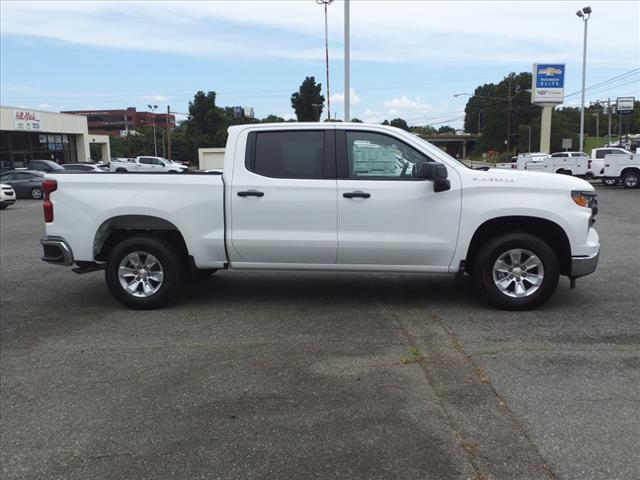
56, 250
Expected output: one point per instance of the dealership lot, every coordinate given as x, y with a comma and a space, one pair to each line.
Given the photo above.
276, 375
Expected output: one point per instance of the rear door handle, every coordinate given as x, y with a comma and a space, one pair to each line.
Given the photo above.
356, 195
251, 193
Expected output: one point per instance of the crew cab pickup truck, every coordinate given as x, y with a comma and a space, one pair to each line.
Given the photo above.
146, 164
623, 167
329, 197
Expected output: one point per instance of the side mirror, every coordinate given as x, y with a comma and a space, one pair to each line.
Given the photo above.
436, 172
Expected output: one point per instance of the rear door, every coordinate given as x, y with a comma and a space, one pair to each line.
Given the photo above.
283, 200
387, 216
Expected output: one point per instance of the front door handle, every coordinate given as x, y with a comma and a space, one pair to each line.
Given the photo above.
356, 195
251, 193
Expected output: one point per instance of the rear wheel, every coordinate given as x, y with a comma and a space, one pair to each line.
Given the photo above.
144, 272
36, 193
516, 271
631, 180
121, 170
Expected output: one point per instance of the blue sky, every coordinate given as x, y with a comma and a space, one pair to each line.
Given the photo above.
408, 58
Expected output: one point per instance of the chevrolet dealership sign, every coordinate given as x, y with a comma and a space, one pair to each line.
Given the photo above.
547, 84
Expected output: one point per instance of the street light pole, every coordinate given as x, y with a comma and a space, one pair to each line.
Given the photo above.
529, 128
347, 91
153, 122
584, 14
326, 50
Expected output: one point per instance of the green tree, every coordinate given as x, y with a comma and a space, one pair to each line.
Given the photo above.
308, 102
400, 123
356, 120
446, 129
386, 122
272, 119
490, 105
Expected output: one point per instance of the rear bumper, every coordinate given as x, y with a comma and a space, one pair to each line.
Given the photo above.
56, 250
581, 266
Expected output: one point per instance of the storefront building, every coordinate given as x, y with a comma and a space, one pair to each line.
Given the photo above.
27, 134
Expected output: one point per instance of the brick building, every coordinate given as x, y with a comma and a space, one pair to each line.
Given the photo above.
117, 122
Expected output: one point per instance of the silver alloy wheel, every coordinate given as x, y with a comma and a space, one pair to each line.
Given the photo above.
631, 180
518, 273
36, 194
140, 274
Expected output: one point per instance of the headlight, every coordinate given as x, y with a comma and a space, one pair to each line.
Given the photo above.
584, 199
588, 200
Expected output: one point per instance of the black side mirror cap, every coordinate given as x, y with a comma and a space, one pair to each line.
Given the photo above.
437, 172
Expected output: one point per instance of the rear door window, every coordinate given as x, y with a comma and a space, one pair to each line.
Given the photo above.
291, 154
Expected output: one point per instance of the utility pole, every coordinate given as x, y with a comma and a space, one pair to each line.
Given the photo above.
326, 50
597, 115
609, 112
347, 91
509, 116
168, 133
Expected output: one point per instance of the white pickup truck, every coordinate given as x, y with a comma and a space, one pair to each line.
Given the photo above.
330, 197
596, 163
146, 164
623, 167
567, 163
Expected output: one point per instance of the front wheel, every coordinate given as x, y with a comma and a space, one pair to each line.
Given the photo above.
36, 193
144, 272
3, 206
631, 180
516, 271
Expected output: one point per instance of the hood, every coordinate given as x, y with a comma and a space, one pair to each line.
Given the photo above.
527, 178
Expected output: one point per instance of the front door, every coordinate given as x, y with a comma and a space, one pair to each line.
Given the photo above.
387, 216
283, 200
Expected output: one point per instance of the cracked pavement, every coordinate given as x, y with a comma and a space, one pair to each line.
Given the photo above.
319, 375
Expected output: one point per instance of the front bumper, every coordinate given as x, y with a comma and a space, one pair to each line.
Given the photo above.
8, 201
581, 266
56, 250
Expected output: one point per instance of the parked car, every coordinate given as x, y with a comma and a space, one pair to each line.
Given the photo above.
290, 198
7, 196
26, 183
147, 164
44, 166
84, 167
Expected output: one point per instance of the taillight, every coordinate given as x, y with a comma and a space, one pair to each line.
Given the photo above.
48, 186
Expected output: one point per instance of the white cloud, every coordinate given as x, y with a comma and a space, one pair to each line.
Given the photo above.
398, 31
338, 98
154, 98
372, 116
44, 106
288, 116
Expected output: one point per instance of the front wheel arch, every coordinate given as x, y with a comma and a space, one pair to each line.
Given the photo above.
549, 231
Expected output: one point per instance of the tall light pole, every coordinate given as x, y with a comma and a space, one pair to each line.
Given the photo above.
153, 121
584, 14
347, 91
326, 51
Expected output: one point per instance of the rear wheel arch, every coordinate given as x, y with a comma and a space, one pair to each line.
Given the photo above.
116, 229
547, 230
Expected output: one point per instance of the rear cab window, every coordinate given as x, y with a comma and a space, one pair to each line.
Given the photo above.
290, 154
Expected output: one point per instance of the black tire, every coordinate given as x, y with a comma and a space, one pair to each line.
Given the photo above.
36, 193
169, 259
3, 206
495, 248
610, 181
631, 180
121, 170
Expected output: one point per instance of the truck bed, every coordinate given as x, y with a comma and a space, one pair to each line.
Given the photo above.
193, 203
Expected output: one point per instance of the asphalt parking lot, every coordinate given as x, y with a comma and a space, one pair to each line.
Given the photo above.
296, 375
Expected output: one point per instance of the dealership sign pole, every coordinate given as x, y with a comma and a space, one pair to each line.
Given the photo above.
547, 90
